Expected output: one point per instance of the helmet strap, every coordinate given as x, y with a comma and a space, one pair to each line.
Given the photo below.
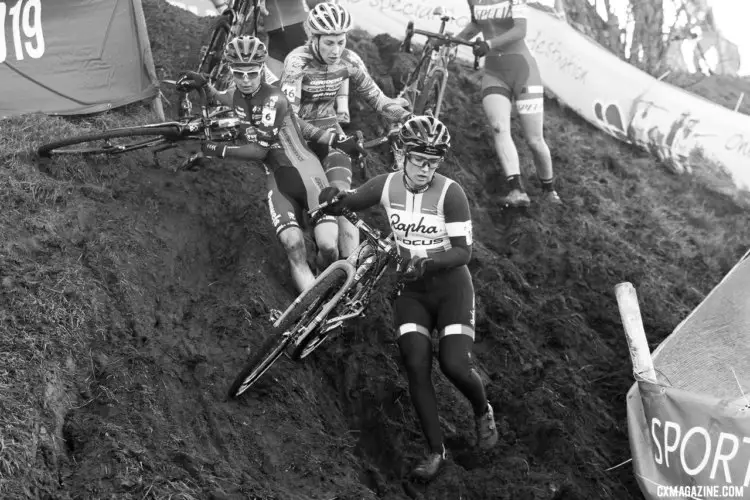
411, 189
315, 45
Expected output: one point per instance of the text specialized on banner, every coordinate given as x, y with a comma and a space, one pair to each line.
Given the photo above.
22, 21
414, 10
740, 144
554, 51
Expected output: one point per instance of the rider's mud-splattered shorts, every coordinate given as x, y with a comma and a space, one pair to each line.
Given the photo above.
337, 165
515, 76
443, 300
290, 192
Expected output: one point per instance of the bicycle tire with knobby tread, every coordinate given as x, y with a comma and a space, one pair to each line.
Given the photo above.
323, 294
274, 346
366, 281
431, 84
168, 132
216, 35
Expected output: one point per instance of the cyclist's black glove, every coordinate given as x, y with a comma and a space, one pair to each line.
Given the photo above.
415, 269
331, 195
346, 144
191, 80
481, 48
214, 149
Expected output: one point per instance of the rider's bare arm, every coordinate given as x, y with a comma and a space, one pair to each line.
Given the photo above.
291, 79
368, 194
470, 31
517, 32
362, 84
458, 224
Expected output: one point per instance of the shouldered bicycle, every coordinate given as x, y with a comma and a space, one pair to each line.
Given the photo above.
425, 85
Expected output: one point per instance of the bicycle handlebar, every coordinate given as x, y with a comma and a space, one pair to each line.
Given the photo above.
411, 31
371, 234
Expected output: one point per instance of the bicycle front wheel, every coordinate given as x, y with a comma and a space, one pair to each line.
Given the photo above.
327, 289
297, 319
429, 95
111, 142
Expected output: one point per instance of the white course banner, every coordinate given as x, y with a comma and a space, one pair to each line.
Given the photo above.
614, 96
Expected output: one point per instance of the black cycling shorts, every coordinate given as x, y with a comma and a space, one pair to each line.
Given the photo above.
442, 301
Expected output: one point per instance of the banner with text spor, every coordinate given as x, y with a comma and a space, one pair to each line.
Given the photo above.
627, 103
687, 445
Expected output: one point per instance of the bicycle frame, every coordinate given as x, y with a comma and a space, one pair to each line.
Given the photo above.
200, 125
384, 251
437, 59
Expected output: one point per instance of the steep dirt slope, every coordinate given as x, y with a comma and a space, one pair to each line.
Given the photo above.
131, 295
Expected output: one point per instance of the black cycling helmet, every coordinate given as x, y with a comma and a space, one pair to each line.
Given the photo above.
425, 134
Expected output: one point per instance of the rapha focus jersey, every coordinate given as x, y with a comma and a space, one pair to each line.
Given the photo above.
311, 86
495, 17
423, 224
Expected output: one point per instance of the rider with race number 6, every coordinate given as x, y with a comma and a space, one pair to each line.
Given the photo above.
274, 135
431, 222
312, 79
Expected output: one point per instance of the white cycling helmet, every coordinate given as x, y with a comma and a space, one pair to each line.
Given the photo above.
246, 51
425, 134
328, 18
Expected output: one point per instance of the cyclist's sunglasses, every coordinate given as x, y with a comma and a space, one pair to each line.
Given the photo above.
249, 74
431, 162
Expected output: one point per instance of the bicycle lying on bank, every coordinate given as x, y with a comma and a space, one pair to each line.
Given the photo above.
340, 293
214, 125
425, 85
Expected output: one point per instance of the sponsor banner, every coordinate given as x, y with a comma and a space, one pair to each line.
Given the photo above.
686, 445
73, 56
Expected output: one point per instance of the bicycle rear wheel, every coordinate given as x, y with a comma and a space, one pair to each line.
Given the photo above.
105, 142
297, 319
212, 52
429, 94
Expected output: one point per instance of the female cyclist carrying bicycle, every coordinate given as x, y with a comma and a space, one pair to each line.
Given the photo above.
431, 222
313, 77
511, 73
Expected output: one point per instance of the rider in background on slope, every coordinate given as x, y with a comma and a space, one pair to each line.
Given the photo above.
511, 73
273, 134
430, 219
312, 78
